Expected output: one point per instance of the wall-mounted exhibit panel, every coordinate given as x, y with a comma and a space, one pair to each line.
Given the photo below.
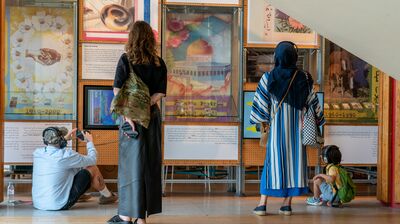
351, 88
40, 73
267, 26
22, 138
198, 50
109, 20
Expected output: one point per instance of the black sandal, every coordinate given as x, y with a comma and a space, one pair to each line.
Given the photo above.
117, 220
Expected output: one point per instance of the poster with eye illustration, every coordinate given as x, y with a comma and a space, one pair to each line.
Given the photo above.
40, 73
267, 25
109, 20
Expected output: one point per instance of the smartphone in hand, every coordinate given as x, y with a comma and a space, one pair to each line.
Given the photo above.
81, 134
127, 129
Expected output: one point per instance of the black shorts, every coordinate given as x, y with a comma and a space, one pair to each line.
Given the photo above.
80, 185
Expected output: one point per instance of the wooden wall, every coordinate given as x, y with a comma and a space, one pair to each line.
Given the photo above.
2, 70
396, 160
384, 139
388, 190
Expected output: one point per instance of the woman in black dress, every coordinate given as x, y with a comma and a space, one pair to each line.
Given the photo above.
139, 162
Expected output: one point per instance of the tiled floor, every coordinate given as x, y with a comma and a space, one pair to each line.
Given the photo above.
218, 208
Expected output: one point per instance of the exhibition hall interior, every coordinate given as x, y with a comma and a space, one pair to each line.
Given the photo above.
199, 111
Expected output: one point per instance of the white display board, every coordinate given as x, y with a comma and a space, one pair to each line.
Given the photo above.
358, 144
22, 138
195, 142
99, 61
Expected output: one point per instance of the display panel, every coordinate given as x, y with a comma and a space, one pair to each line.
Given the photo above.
267, 25
97, 103
351, 88
249, 130
99, 61
198, 43
40, 72
109, 20
21, 139
259, 61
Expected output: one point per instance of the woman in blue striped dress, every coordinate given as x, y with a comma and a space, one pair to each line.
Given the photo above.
285, 167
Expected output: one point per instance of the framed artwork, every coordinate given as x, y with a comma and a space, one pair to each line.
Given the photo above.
351, 88
249, 130
109, 20
261, 60
267, 26
40, 75
96, 114
198, 55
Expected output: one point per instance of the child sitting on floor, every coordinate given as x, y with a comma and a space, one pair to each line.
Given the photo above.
335, 186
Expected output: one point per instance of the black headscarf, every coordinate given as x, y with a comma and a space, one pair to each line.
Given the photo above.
279, 78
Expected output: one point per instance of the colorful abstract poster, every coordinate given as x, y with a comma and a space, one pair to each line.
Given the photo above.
276, 26
97, 103
41, 64
198, 56
109, 20
249, 130
351, 88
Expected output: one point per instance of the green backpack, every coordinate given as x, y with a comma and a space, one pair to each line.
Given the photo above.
347, 191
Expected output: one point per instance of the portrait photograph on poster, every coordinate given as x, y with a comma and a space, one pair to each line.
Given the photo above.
97, 101
109, 20
350, 86
40, 63
276, 26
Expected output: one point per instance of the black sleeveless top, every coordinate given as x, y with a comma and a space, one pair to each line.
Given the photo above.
154, 76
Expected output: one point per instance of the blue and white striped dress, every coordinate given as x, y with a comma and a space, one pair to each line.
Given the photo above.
285, 166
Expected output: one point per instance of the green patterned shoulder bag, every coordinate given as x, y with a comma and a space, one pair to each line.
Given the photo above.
133, 100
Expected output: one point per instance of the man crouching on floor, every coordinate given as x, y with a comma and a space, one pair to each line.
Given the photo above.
61, 175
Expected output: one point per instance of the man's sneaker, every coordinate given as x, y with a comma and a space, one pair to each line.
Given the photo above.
84, 198
314, 201
260, 210
285, 210
117, 220
108, 200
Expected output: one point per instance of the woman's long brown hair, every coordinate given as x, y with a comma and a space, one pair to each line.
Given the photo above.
141, 46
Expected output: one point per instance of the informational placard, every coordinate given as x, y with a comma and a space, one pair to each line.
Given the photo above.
99, 61
267, 25
22, 138
358, 144
198, 142
214, 2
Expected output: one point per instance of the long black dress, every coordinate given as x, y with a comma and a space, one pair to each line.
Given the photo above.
139, 160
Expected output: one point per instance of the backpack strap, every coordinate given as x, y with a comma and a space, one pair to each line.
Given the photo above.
334, 186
